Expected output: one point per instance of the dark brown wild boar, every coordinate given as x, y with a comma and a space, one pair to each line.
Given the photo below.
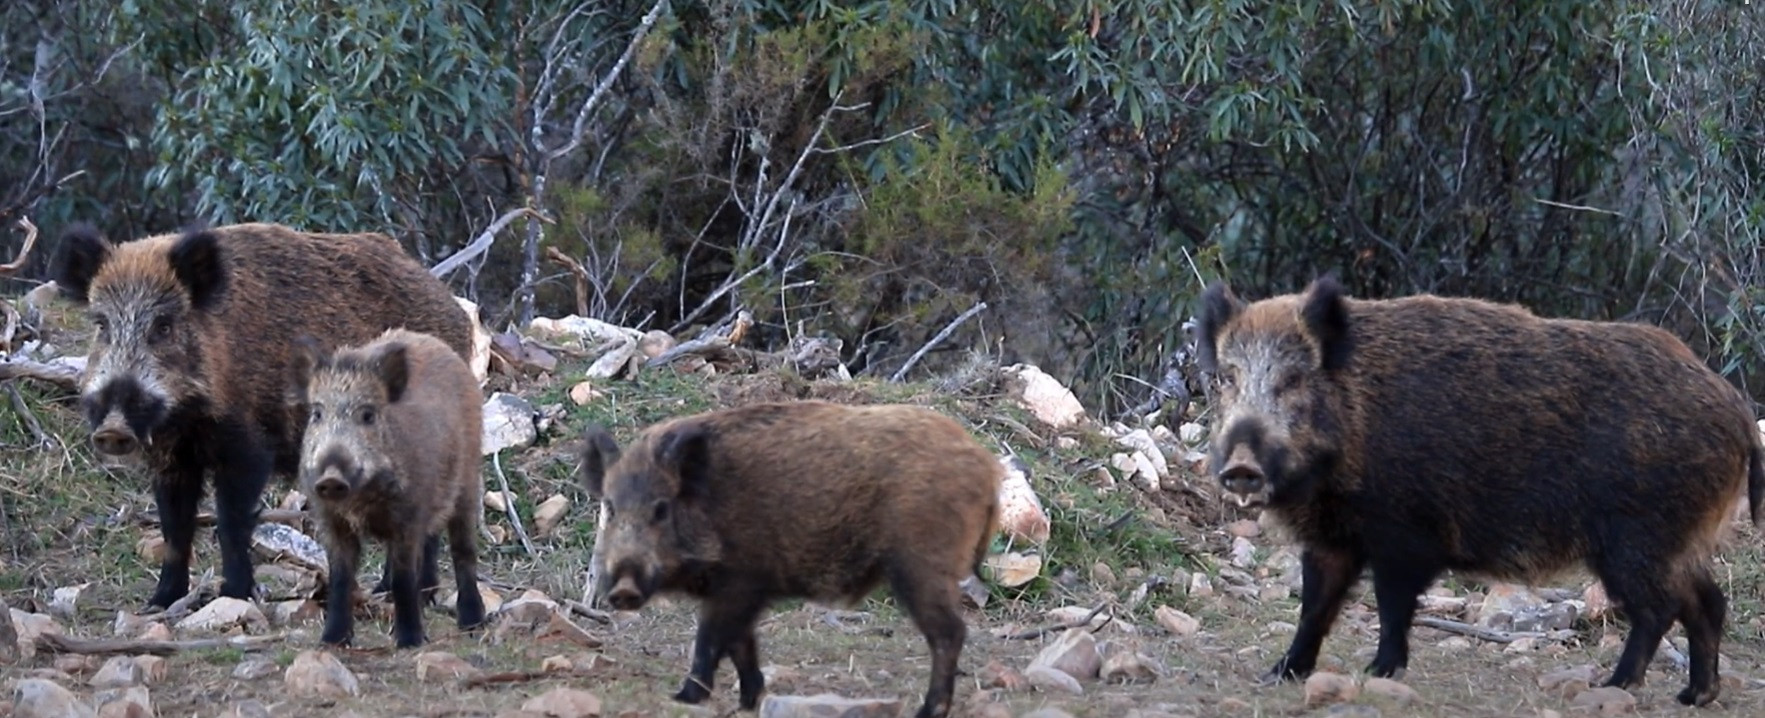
1424, 434
809, 499
391, 453
191, 358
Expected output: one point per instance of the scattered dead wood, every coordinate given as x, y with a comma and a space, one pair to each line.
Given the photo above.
1486, 634
24, 252
511, 677
810, 358
1036, 633
65, 376
584, 610
57, 643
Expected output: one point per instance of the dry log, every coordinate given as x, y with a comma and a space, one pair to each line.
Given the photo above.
1486, 634
1035, 633
57, 643
61, 375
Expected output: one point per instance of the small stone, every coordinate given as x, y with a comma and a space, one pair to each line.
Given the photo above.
559, 628
1511, 599
1390, 690
974, 592
1177, 622
444, 667
1243, 552
1200, 585
1014, 569
1442, 605
223, 614
28, 627
254, 669
153, 668
1073, 653
39, 698
1047, 712
1273, 592
248, 709
494, 501
156, 631
62, 601
493, 601
1003, 677
584, 392
1051, 679
117, 672
1455, 643
547, 514
1234, 704
130, 702
560, 664
151, 549
75, 664
1605, 700
1568, 682
319, 673
564, 702
1102, 575
828, 705
1323, 688
1076, 615
295, 612
1129, 667
1594, 601
1244, 528
655, 343
508, 423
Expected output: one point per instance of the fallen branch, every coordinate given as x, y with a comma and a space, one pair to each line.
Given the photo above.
57, 643
29, 418
482, 242
62, 375
1035, 633
491, 679
1484, 634
496, 460
24, 253
584, 610
951, 327
576, 270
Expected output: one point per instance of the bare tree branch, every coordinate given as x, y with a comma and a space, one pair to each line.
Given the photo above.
600, 90
912, 360
482, 243
24, 253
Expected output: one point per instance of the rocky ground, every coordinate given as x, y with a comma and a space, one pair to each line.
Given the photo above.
1120, 588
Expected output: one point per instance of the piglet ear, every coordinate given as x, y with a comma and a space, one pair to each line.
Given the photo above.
685, 449
394, 367
309, 356
197, 262
599, 451
1219, 306
1325, 314
77, 258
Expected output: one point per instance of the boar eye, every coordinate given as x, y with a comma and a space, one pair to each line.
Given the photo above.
1228, 379
315, 413
102, 325
1288, 383
660, 512
161, 329
367, 416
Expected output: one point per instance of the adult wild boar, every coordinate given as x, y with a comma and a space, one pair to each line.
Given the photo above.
191, 360
391, 453
1423, 434
741, 507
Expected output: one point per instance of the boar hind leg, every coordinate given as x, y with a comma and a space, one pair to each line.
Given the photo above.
406, 561
1397, 586
1634, 583
1702, 610
177, 493
241, 471
462, 543
1327, 574
933, 600
724, 620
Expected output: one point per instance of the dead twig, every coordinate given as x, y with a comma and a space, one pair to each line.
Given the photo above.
1036, 633
482, 242
24, 253
938, 338
584, 610
28, 417
1483, 634
514, 514
576, 270
491, 679
58, 643
65, 376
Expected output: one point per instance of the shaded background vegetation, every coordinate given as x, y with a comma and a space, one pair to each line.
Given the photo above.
870, 170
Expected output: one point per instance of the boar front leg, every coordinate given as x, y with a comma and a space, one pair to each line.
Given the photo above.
241, 470
343, 550
1327, 574
726, 628
1397, 586
177, 492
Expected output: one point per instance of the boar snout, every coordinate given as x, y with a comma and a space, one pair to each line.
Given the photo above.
1242, 474
114, 438
331, 486
625, 594
123, 416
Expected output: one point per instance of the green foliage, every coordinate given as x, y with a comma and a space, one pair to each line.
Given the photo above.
316, 114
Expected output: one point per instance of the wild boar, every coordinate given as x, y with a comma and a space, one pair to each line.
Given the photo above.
1424, 434
741, 507
194, 333
391, 452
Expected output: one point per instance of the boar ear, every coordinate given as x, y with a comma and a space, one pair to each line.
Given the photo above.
1218, 307
1325, 313
394, 368
82, 251
196, 261
684, 449
599, 451
309, 355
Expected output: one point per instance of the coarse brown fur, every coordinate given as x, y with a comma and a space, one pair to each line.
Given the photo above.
741, 507
190, 364
392, 453
1425, 434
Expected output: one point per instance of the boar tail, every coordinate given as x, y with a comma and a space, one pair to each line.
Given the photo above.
992, 528
1756, 481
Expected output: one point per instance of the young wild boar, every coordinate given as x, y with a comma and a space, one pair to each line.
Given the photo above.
391, 452
1416, 435
190, 362
809, 499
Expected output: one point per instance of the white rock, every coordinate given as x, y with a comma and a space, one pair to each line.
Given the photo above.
508, 423
1508, 598
1191, 433
1243, 552
592, 331
1014, 569
39, 698
254, 669
1175, 621
1073, 653
224, 613
1050, 679
564, 702
1044, 396
547, 514
281, 542
117, 672
62, 600
828, 705
1140, 440
127, 702
480, 361
1324, 687
1127, 666
441, 667
612, 364
28, 627
1147, 471
1021, 515
318, 673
